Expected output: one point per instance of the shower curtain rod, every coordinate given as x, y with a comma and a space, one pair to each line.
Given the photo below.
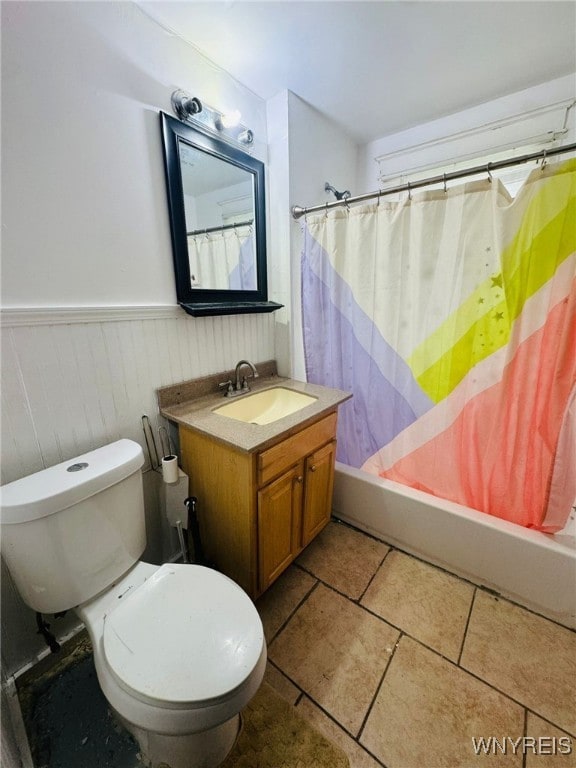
298, 211
208, 230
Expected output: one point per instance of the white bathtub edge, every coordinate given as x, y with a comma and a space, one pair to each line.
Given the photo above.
531, 568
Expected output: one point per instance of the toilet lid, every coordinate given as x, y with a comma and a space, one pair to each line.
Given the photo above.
187, 635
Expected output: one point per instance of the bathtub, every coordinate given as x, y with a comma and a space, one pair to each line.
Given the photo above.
534, 569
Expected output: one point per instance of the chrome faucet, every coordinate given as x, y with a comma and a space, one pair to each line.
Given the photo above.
241, 385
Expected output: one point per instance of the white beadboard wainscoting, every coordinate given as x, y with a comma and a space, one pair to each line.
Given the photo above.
75, 379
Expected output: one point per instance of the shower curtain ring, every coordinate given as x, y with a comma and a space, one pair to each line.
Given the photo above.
409, 191
488, 172
543, 160
326, 210
445, 187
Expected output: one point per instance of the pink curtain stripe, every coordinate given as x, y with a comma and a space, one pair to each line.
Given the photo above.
487, 373
498, 456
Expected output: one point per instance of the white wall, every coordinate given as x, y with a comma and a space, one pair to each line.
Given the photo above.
305, 149
85, 226
528, 118
278, 186
82, 85
319, 151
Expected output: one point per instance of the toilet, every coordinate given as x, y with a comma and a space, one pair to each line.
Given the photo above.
179, 650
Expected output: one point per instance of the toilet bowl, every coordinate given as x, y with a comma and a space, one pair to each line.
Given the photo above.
179, 650
173, 690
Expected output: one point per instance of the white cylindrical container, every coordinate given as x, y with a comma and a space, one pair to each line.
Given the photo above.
170, 469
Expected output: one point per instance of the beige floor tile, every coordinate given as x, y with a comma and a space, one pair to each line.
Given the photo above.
427, 712
524, 655
425, 602
336, 652
278, 602
343, 558
553, 748
281, 684
358, 757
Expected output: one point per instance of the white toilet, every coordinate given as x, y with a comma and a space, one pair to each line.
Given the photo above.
179, 650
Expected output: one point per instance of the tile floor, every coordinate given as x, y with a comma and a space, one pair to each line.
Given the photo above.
403, 664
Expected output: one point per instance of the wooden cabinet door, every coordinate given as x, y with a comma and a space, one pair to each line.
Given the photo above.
279, 514
318, 484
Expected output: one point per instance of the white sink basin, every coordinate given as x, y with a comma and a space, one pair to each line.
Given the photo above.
266, 406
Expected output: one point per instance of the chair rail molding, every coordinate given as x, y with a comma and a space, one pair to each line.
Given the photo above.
12, 317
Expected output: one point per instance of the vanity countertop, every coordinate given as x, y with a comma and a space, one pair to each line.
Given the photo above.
198, 414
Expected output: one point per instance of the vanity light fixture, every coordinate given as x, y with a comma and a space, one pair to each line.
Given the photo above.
225, 125
246, 137
184, 105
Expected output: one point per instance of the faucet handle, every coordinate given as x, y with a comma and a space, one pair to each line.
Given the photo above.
229, 387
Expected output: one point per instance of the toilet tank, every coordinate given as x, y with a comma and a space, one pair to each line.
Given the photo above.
69, 531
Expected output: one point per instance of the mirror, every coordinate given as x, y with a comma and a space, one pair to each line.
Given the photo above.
217, 218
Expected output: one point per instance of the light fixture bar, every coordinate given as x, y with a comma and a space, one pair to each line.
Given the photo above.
190, 109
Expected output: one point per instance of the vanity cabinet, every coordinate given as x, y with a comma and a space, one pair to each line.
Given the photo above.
292, 510
257, 511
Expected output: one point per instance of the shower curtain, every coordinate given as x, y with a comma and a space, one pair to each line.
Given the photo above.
223, 260
451, 317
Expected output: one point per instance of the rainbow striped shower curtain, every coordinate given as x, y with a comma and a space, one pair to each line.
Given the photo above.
451, 316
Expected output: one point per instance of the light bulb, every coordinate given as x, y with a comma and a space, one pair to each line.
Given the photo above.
231, 119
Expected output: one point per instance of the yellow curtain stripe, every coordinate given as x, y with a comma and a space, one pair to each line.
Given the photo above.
482, 323
482, 300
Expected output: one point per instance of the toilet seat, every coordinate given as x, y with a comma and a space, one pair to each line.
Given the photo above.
187, 637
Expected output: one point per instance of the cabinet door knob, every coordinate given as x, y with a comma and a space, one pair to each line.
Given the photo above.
313, 468
299, 479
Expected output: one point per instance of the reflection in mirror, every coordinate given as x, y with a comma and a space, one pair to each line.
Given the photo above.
217, 221
219, 212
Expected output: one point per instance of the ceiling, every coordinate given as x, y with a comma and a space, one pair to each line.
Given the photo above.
380, 67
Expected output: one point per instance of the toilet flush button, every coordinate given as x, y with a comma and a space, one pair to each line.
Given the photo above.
77, 467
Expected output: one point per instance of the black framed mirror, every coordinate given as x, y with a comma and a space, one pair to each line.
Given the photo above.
217, 209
